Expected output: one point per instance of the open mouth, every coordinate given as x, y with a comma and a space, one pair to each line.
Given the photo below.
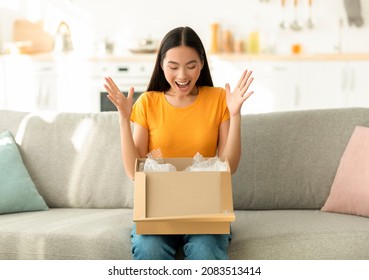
183, 85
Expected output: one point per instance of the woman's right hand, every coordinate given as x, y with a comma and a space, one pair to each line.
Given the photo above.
121, 102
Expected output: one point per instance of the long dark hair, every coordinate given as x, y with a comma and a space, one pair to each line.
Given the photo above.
180, 36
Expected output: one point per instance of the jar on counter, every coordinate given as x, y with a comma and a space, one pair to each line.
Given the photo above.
227, 41
253, 43
215, 30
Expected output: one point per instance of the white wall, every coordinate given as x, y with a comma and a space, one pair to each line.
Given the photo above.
125, 21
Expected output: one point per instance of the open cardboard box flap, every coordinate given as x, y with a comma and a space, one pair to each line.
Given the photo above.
182, 202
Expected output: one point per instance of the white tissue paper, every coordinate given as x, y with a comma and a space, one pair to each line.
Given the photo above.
155, 162
154, 165
202, 164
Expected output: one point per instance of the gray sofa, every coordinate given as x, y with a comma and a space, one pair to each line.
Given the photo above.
288, 165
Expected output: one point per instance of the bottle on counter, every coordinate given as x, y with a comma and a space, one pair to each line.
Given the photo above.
215, 38
253, 38
253, 42
227, 41
238, 44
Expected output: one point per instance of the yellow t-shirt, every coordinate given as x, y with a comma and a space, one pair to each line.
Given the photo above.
182, 132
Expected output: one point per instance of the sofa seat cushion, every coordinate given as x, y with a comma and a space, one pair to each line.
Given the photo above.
105, 234
66, 234
299, 234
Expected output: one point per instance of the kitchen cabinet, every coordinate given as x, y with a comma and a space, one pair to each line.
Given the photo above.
20, 83
30, 86
71, 83
275, 83
58, 84
333, 84
45, 87
74, 84
322, 85
283, 85
276, 86
66, 82
2, 85
356, 83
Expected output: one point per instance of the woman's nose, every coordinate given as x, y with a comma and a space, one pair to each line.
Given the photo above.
182, 72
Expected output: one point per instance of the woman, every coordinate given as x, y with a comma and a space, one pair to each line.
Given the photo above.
182, 114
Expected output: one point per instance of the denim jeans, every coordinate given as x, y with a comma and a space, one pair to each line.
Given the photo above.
195, 246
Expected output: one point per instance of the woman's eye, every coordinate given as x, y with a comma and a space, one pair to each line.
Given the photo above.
173, 68
191, 67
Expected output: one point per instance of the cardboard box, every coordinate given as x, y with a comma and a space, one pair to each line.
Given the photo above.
181, 202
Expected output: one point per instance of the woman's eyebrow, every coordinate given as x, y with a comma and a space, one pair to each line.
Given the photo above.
192, 61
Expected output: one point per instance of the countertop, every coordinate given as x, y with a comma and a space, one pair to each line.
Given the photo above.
222, 56
293, 57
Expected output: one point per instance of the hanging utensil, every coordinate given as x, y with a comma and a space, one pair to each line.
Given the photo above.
310, 23
282, 23
295, 24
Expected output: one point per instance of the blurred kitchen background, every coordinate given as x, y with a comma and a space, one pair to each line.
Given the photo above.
305, 54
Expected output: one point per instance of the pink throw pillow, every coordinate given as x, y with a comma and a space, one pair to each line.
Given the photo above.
350, 189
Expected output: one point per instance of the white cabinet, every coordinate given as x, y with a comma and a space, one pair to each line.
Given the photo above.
70, 83
74, 84
275, 86
322, 85
66, 82
20, 83
357, 83
333, 84
29, 86
2, 85
283, 85
46, 86
62, 83
275, 83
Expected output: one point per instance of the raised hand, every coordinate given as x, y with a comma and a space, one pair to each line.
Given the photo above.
240, 94
120, 101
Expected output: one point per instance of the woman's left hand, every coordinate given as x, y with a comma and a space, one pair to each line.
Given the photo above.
240, 94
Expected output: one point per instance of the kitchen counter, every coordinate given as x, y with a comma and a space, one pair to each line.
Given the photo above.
298, 57
128, 57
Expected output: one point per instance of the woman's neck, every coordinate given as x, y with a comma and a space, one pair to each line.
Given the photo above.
181, 101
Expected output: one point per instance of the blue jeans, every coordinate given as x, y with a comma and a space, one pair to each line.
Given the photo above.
195, 246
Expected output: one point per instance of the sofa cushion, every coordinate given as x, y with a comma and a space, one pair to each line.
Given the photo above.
74, 159
298, 235
290, 159
67, 234
17, 190
350, 189
105, 234
10, 120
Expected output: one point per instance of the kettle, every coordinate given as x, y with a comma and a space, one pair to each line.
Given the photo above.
63, 39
